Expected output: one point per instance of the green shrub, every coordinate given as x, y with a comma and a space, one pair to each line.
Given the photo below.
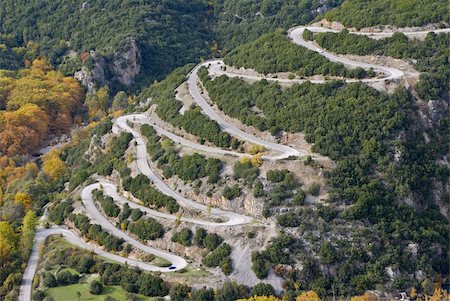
96, 287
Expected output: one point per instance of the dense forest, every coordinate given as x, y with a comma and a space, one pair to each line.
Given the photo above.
274, 52
402, 13
240, 21
179, 30
330, 116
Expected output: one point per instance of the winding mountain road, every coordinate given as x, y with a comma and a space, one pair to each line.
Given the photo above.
143, 166
194, 90
295, 34
41, 234
86, 197
231, 218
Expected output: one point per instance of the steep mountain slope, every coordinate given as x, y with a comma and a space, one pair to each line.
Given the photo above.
401, 13
238, 22
168, 33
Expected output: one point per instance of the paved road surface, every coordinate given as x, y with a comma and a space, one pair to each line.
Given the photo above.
194, 90
39, 239
111, 190
144, 119
295, 34
143, 166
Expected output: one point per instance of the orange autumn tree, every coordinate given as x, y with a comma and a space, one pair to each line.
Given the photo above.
58, 95
29, 100
22, 131
10, 171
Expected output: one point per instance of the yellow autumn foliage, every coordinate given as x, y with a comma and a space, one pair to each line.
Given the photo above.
33, 97
308, 296
244, 160
366, 297
23, 199
257, 160
10, 171
256, 149
438, 295
52, 164
261, 298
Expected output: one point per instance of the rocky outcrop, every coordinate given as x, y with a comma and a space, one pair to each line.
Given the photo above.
92, 76
122, 68
126, 62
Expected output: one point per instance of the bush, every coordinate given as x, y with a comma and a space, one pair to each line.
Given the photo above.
107, 203
212, 241
231, 291
65, 278
49, 280
179, 292
38, 296
308, 35
60, 212
136, 214
289, 219
258, 189
232, 192
85, 264
299, 197
147, 229
260, 265
218, 256
152, 286
199, 237
227, 266
328, 213
276, 175
204, 294
327, 253
245, 170
96, 287
314, 189
263, 289
183, 237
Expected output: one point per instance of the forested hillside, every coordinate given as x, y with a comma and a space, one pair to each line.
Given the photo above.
240, 21
401, 13
35, 102
336, 188
168, 33
273, 52
366, 175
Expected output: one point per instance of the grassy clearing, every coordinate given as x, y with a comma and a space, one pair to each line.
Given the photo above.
69, 293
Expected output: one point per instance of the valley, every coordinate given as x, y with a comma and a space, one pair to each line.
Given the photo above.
296, 166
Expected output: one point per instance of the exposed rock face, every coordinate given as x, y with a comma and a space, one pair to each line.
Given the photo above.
93, 77
123, 67
126, 62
